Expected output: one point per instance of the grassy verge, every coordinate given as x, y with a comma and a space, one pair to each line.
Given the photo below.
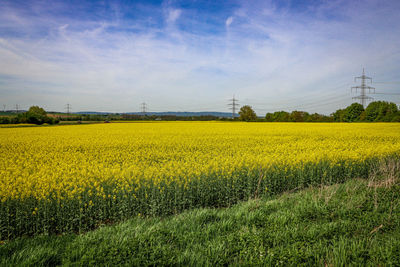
355, 223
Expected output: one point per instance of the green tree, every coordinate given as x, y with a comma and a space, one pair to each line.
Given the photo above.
269, 117
299, 116
381, 111
246, 113
35, 115
315, 117
362, 116
391, 112
281, 116
372, 111
338, 115
353, 112
396, 118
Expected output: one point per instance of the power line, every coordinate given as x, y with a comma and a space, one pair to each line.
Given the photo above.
312, 105
309, 97
233, 105
339, 98
363, 88
387, 94
4, 108
387, 82
17, 108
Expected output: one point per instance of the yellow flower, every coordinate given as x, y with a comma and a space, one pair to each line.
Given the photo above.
79, 161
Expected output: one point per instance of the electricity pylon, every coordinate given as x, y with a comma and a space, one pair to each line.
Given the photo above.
68, 108
233, 105
143, 107
363, 88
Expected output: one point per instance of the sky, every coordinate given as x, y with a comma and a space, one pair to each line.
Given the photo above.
194, 55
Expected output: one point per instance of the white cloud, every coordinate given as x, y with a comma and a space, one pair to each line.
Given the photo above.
63, 27
173, 15
270, 60
228, 21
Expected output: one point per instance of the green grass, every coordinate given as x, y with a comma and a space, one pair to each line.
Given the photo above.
354, 223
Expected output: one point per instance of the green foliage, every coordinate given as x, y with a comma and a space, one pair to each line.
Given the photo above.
246, 113
376, 111
37, 111
35, 115
351, 224
299, 116
338, 115
5, 120
353, 112
296, 116
278, 116
396, 118
381, 111
315, 117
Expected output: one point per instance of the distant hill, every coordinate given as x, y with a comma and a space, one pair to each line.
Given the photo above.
93, 113
169, 113
12, 111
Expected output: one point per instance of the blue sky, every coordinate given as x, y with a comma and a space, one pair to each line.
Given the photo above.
194, 55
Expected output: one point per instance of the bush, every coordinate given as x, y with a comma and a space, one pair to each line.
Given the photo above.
4, 120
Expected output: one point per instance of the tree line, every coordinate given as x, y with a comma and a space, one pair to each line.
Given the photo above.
378, 111
35, 115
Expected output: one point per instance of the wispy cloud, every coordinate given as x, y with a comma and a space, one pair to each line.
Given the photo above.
173, 15
181, 57
229, 21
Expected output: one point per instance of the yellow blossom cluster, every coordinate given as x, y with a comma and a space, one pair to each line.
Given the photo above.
67, 160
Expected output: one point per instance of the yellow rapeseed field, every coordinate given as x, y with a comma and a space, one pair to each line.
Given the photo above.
162, 167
